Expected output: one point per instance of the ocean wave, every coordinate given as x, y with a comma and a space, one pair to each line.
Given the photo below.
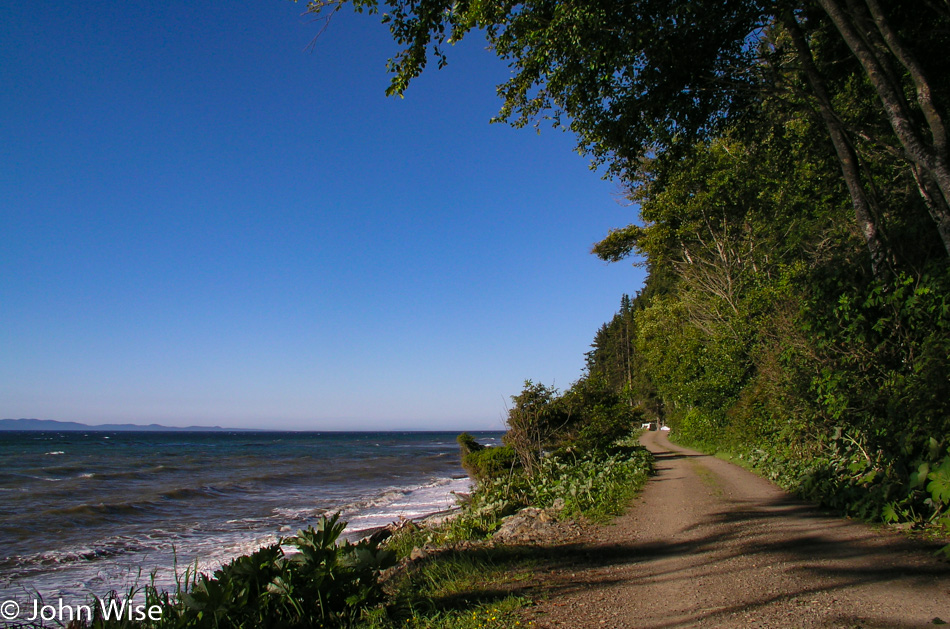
45, 559
20, 475
380, 508
56, 474
188, 493
296, 513
133, 474
59, 479
405, 503
96, 511
100, 509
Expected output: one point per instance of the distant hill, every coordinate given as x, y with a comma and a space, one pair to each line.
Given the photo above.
51, 425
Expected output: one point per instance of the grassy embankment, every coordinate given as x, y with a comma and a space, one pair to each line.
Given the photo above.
472, 582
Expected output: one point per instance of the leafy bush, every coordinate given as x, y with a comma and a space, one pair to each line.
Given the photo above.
490, 462
468, 444
605, 425
883, 360
481, 462
593, 486
538, 414
866, 484
319, 583
599, 416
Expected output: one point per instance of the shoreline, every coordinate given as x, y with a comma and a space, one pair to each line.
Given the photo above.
82, 572
427, 520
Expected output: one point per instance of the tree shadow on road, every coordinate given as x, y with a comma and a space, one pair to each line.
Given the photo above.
804, 550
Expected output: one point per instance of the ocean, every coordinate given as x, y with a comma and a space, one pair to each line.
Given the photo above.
90, 512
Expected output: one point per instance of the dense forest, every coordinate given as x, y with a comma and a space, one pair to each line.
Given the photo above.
790, 164
797, 308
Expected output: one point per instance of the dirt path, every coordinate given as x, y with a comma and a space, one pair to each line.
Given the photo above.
710, 544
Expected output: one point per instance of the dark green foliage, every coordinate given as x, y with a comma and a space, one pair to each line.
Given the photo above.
468, 444
571, 449
614, 69
537, 415
884, 351
323, 583
595, 485
586, 419
491, 462
482, 462
848, 476
605, 425
235, 592
773, 333
601, 415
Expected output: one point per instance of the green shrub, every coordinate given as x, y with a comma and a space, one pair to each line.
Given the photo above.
489, 463
468, 444
321, 583
605, 425
849, 476
483, 462
593, 486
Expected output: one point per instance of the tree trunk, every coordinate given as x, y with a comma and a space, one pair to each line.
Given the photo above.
935, 205
938, 129
847, 156
931, 159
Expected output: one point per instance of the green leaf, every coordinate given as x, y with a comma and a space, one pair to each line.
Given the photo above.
939, 486
890, 514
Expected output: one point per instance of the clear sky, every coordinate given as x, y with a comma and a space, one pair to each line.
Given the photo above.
204, 221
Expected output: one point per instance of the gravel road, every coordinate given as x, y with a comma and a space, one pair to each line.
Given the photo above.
709, 544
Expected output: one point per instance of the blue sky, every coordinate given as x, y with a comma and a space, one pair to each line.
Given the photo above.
204, 221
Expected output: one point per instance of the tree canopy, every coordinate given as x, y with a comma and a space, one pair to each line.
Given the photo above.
643, 77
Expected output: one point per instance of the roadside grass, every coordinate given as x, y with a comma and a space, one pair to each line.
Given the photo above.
463, 589
852, 484
461, 580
